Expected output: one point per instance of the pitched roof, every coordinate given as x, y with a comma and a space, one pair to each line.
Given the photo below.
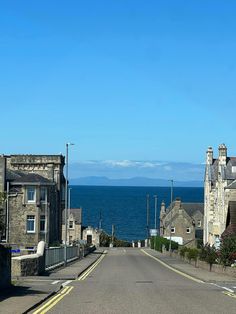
18, 177
227, 173
190, 208
76, 212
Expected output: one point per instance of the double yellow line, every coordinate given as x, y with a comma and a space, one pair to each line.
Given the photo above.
91, 268
52, 302
66, 290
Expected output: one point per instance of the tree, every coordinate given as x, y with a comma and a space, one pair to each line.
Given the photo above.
228, 250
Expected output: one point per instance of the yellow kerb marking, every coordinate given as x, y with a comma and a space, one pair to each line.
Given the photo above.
230, 294
53, 301
90, 269
173, 269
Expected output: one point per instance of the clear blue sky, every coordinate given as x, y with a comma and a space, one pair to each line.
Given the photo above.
123, 79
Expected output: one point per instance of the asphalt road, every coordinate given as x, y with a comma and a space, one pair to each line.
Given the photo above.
128, 281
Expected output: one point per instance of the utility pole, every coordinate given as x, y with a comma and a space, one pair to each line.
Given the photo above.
100, 220
112, 235
147, 217
171, 206
155, 198
66, 204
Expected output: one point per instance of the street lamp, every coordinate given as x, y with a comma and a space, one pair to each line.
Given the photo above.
147, 227
171, 201
155, 197
66, 203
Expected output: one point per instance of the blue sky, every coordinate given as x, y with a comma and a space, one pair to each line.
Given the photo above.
125, 80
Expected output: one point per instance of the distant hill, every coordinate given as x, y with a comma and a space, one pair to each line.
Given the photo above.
136, 181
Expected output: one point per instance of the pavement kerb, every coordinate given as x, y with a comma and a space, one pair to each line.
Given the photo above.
43, 300
82, 271
179, 270
60, 287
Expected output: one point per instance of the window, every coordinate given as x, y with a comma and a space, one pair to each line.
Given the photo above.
71, 224
42, 223
43, 194
30, 225
31, 194
199, 223
172, 230
188, 230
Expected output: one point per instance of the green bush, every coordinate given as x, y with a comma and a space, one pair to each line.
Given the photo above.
157, 243
208, 254
192, 253
183, 250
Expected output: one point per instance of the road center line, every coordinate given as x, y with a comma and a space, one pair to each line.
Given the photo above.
173, 269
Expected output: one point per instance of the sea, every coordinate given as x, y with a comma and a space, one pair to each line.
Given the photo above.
126, 207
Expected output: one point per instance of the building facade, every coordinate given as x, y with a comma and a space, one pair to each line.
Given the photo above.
74, 226
183, 222
35, 188
219, 193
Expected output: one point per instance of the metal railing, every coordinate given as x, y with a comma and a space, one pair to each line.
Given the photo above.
55, 256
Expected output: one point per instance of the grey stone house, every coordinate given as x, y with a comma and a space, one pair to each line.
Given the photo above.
219, 193
74, 227
182, 221
35, 188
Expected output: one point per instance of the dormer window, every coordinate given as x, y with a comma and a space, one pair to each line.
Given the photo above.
31, 194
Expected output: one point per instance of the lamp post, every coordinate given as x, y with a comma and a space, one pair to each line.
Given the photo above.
147, 219
66, 203
171, 201
155, 198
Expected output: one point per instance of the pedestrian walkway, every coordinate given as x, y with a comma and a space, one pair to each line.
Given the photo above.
189, 269
28, 292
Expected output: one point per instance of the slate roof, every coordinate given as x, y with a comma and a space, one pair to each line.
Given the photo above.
227, 173
190, 208
231, 186
77, 213
18, 177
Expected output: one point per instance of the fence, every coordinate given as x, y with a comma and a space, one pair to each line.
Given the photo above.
55, 256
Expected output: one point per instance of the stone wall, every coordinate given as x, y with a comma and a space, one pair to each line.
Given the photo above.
220, 269
5, 267
30, 265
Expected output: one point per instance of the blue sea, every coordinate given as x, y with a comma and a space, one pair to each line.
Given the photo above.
125, 207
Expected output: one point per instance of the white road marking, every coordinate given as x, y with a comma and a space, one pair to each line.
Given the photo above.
228, 289
66, 283
55, 282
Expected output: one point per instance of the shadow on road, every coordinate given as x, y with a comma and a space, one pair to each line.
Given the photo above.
19, 291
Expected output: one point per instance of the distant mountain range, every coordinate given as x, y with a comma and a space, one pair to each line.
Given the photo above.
136, 181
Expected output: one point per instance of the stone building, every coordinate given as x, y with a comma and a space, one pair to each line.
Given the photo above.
35, 188
74, 227
92, 236
182, 221
219, 193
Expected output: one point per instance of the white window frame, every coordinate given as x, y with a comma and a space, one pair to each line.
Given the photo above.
188, 230
27, 192
172, 228
30, 218
199, 223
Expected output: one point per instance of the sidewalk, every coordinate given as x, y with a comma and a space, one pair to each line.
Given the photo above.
30, 291
188, 269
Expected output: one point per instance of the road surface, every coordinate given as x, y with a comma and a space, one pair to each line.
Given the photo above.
129, 281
